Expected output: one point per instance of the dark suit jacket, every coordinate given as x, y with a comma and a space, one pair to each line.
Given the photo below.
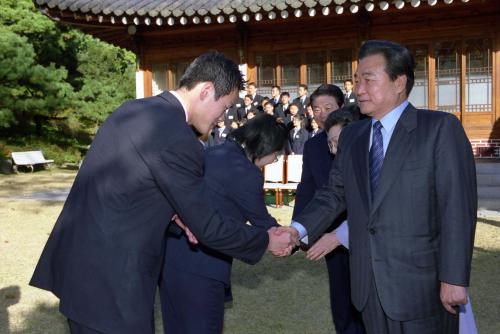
281, 111
419, 227
296, 142
316, 164
104, 255
352, 99
238, 202
302, 106
217, 138
257, 102
231, 115
242, 112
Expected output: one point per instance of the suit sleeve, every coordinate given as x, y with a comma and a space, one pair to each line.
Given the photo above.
329, 201
178, 171
248, 197
456, 191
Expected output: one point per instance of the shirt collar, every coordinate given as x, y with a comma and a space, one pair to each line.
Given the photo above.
389, 121
174, 93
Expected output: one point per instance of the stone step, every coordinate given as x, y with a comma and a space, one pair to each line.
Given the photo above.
489, 204
487, 168
489, 192
488, 180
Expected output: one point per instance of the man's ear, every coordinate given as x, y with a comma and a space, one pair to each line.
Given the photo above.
400, 83
206, 90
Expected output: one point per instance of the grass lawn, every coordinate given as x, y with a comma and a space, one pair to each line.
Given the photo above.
267, 298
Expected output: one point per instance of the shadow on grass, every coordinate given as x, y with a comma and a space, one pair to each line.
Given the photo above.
489, 222
9, 296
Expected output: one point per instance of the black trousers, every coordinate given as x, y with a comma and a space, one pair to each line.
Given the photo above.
191, 304
346, 318
377, 322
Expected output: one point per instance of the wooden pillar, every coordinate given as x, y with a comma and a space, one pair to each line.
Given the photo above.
432, 77
495, 134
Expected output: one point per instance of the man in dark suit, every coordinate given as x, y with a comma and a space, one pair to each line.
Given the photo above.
231, 114
275, 96
407, 178
316, 164
281, 111
246, 107
256, 98
104, 255
349, 97
219, 133
302, 100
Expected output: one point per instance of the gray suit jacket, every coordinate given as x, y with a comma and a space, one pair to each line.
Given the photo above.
419, 228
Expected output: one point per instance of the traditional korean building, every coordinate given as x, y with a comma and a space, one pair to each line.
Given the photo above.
456, 44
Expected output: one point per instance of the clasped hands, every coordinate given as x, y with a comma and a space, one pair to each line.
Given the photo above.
282, 240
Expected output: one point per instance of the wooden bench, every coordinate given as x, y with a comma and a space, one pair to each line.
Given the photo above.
29, 160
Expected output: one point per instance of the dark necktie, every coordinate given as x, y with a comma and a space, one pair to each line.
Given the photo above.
376, 156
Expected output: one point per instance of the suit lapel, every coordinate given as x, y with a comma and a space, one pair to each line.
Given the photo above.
360, 163
398, 149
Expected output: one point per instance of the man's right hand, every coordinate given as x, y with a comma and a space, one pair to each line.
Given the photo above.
282, 240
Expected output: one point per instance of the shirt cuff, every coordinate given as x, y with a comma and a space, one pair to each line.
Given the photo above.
342, 233
302, 231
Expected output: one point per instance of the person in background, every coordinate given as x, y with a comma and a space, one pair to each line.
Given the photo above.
317, 162
297, 136
195, 277
281, 111
246, 108
302, 100
350, 96
293, 111
269, 108
314, 128
219, 133
263, 103
256, 98
275, 96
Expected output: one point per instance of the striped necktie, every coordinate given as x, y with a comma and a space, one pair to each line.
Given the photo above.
376, 156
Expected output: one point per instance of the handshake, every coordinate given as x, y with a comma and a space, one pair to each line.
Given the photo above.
282, 240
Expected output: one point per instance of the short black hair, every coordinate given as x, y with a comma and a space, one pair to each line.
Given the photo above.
216, 68
251, 83
348, 80
285, 93
330, 90
268, 103
294, 105
249, 96
340, 117
398, 60
276, 86
261, 136
303, 86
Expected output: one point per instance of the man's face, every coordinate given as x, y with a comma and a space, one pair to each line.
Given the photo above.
220, 122
309, 110
294, 110
210, 110
322, 106
247, 101
285, 99
377, 93
251, 89
269, 109
314, 124
348, 86
275, 92
302, 91
296, 122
